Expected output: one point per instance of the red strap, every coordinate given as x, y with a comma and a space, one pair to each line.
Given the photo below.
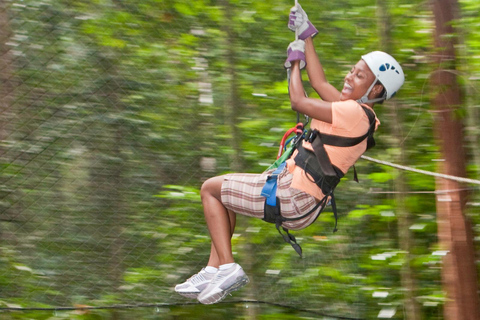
297, 129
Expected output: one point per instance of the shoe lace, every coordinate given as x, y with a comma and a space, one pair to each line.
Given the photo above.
197, 278
219, 276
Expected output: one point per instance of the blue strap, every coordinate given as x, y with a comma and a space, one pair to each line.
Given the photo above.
269, 190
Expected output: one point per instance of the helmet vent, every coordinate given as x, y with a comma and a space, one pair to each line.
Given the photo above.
385, 67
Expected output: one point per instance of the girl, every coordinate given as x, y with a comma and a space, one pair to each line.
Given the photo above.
376, 77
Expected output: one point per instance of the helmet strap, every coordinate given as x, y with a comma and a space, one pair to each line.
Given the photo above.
365, 99
361, 101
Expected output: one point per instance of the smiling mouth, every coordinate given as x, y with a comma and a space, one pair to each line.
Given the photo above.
347, 88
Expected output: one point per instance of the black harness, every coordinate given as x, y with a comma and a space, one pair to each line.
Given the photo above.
324, 174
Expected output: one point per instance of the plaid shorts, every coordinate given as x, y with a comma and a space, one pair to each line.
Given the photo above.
241, 193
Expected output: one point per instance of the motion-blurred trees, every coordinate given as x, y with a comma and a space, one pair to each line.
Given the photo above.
119, 110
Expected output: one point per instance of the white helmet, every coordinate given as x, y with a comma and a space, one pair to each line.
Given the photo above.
387, 71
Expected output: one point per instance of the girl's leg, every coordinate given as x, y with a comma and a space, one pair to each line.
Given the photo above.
220, 222
213, 260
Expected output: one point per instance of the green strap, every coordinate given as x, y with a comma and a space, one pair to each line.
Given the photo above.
284, 157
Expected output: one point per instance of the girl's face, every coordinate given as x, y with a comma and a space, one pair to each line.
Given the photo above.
357, 82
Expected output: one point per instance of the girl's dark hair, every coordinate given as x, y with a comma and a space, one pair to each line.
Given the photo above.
382, 93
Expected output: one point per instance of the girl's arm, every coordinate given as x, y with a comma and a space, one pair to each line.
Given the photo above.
314, 108
317, 76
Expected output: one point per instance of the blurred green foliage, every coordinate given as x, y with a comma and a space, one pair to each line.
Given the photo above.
121, 109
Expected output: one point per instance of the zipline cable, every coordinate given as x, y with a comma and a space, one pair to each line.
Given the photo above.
429, 173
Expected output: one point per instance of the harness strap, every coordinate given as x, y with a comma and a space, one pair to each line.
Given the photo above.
269, 190
317, 169
272, 210
287, 236
290, 238
318, 165
340, 141
273, 215
322, 156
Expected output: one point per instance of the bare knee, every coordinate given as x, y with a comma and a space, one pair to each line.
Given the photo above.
212, 188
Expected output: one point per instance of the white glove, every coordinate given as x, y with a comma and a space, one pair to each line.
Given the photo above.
296, 51
298, 21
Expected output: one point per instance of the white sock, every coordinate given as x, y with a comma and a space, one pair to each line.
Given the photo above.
210, 269
226, 266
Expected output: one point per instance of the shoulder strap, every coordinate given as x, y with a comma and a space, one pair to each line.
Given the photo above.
340, 141
371, 129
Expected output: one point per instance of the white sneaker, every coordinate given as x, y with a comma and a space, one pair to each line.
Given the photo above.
195, 284
222, 284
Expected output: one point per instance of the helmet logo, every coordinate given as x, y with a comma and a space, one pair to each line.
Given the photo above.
386, 66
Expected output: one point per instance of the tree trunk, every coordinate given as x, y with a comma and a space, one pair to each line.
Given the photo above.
233, 103
8, 85
459, 273
411, 307
106, 139
233, 107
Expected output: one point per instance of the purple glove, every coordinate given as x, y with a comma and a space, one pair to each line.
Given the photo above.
296, 51
298, 21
